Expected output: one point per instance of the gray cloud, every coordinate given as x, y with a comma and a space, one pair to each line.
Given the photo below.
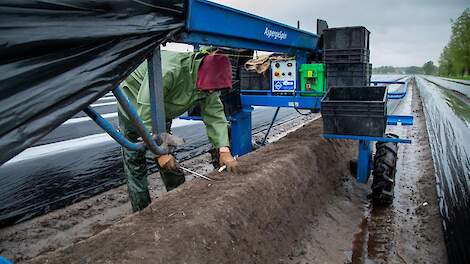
402, 32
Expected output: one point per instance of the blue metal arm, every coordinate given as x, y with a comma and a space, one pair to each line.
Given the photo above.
209, 23
116, 135
194, 118
297, 101
404, 120
394, 95
367, 138
364, 161
364, 156
137, 122
387, 82
270, 126
156, 92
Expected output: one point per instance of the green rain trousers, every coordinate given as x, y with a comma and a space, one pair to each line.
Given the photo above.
179, 72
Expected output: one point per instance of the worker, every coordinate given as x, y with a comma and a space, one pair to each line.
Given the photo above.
188, 78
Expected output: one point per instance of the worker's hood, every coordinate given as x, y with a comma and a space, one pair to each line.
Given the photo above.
214, 73
57, 57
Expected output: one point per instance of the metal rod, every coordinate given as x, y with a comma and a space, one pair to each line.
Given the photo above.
195, 173
137, 122
116, 135
367, 138
270, 126
157, 104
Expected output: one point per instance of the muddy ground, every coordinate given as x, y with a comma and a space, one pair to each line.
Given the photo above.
295, 201
409, 231
250, 217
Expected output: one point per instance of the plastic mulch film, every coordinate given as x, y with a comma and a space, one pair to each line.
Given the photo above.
58, 56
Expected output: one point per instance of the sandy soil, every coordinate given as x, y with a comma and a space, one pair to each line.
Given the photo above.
86, 218
251, 217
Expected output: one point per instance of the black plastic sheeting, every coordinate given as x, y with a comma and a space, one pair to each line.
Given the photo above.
448, 122
58, 56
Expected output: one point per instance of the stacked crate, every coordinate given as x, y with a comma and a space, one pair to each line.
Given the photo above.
346, 55
351, 106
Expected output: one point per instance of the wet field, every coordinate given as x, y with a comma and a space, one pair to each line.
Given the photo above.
447, 110
327, 219
77, 161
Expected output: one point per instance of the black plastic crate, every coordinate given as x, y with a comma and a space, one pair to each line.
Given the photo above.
230, 99
346, 38
359, 111
347, 80
194, 110
237, 58
346, 56
348, 67
348, 74
253, 80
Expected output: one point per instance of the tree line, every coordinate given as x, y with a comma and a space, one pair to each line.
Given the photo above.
428, 68
455, 57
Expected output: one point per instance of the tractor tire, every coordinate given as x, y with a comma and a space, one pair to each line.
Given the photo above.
385, 162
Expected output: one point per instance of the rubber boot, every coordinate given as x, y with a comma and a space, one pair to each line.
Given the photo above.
135, 168
172, 179
139, 200
215, 158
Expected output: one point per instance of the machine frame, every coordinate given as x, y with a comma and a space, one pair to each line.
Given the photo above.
210, 23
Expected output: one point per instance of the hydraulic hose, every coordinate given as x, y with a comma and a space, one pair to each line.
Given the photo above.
137, 122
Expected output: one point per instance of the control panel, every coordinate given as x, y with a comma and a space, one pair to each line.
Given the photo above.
284, 77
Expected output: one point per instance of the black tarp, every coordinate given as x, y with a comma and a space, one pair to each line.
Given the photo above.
58, 56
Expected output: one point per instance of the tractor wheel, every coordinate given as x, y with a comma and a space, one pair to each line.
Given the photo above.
385, 161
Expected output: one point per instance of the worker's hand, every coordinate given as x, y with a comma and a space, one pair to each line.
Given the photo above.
167, 140
225, 158
168, 162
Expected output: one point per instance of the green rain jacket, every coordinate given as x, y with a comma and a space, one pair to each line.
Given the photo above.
179, 70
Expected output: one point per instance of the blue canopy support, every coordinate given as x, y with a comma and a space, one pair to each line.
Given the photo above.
116, 135
208, 23
156, 92
137, 122
404, 120
364, 156
394, 95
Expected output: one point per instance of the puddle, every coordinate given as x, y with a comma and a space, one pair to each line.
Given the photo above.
372, 241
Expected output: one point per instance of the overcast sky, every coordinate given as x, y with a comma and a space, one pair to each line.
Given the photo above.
403, 33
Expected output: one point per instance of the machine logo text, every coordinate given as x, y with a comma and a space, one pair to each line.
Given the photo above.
275, 34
